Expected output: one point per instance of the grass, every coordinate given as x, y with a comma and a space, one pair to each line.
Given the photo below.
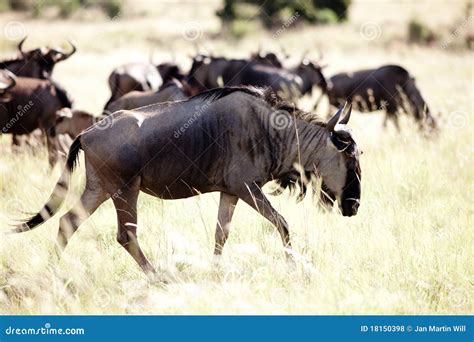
408, 251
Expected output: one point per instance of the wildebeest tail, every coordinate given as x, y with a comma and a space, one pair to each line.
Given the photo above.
59, 193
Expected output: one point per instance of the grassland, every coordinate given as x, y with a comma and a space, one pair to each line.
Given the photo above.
408, 251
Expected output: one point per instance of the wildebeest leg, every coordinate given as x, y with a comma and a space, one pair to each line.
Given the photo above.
226, 210
92, 197
391, 112
52, 150
255, 197
125, 202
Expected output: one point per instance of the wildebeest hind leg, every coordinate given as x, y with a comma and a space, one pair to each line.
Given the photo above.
226, 210
92, 197
255, 197
125, 202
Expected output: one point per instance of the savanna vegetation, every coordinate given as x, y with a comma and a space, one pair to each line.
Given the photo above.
408, 251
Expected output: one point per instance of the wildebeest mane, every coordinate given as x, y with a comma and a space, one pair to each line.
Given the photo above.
292, 180
266, 94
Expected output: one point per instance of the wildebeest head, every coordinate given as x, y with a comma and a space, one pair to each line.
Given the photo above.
268, 58
199, 72
44, 58
7, 81
169, 71
343, 183
311, 72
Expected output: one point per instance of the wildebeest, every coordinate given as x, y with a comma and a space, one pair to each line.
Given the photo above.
36, 63
140, 77
230, 140
33, 104
72, 122
390, 88
207, 72
290, 83
173, 90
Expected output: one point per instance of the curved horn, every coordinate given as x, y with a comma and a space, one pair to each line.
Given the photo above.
5, 86
333, 121
20, 46
347, 114
67, 55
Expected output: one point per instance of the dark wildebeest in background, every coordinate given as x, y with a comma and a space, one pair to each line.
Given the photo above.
33, 104
36, 63
140, 77
72, 122
229, 140
290, 83
208, 72
173, 90
390, 88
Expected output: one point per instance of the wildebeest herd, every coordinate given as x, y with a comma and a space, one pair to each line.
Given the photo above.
227, 125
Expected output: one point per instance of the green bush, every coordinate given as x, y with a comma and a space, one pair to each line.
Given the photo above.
271, 12
420, 33
111, 8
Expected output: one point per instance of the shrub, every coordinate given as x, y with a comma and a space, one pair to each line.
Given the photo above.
419, 33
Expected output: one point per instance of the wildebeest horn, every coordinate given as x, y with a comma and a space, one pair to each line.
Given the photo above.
347, 114
67, 55
4, 86
333, 121
20, 46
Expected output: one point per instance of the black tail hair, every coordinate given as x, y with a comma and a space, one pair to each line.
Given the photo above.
59, 193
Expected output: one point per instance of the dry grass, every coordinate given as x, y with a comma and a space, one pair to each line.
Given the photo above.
409, 250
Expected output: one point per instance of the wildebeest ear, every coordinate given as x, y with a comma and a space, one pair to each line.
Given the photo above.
347, 114
333, 121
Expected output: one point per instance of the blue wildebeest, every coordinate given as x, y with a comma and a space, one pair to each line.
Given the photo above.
140, 77
390, 88
36, 63
32, 104
172, 90
290, 83
236, 140
208, 72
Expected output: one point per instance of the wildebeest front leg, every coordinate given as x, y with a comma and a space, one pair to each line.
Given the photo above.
226, 210
125, 202
255, 197
52, 150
